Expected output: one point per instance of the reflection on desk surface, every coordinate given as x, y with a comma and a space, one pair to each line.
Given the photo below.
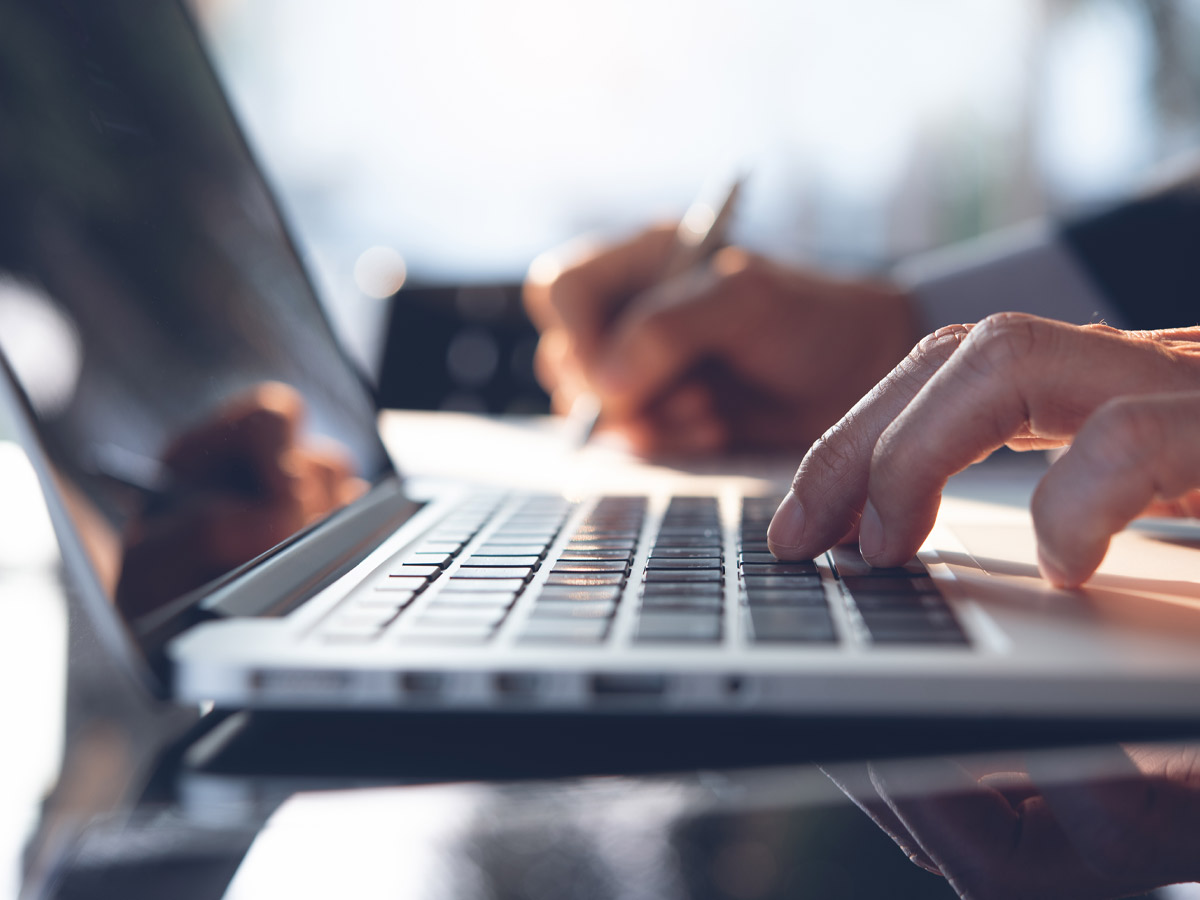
1103, 822
1097, 822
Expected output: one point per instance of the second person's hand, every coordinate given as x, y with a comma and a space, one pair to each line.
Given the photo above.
738, 351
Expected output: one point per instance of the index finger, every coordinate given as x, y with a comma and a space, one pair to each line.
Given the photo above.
830, 487
1014, 373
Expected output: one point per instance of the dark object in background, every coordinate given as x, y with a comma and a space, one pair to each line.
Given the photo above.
467, 348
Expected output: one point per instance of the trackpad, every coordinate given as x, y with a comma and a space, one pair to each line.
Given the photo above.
1147, 575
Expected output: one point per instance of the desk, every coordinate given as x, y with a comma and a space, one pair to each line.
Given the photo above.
126, 819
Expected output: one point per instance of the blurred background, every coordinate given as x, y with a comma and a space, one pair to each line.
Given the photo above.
448, 143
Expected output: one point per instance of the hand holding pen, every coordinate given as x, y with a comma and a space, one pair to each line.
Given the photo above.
702, 349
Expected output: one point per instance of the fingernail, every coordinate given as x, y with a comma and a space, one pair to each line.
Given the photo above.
787, 525
870, 533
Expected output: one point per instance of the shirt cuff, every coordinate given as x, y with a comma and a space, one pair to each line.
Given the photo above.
1021, 269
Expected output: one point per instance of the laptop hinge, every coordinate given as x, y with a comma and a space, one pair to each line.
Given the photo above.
290, 575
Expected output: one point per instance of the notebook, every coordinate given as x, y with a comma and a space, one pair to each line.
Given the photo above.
230, 516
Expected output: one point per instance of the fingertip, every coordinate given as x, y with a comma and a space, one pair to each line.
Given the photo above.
1059, 574
785, 534
870, 535
1050, 570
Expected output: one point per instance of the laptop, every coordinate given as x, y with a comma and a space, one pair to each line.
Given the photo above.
227, 510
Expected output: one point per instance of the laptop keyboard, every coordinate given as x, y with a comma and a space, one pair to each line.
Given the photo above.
482, 566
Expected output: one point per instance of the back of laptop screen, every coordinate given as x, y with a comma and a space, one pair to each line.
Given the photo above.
193, 405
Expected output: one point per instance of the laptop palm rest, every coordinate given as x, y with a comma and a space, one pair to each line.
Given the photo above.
1143, 582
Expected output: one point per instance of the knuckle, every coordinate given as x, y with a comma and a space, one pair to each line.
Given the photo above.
935, 348
1002, 342
834, 458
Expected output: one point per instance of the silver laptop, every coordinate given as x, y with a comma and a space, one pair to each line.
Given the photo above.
229, 514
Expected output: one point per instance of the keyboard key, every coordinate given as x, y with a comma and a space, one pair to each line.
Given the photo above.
413, 570
781, 582
807, 596
796, 568
397, 583
580, 594
904, 584
913, 625
690, 531
434, 633
704, 562
604, 533
483, 585
676, 576
684, 553
585, 567
476, 598
571, 609
683, 601
448, 547
523, 549
713, 545
485, 573
848, 563
441, 560
756, 546
564, 631
523, 537
479, 560
462, 615
674, 589
457, 536
779, 625
629, 544
656, 626
750, 556
592, 555
572, 580
867, 602
384, 600
932, 619
947, 637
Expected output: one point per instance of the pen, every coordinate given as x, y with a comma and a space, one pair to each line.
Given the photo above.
701, 232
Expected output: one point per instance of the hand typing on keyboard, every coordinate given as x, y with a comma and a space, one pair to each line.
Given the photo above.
1129, 402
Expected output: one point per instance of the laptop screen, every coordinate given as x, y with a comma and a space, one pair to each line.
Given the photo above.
188, 393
